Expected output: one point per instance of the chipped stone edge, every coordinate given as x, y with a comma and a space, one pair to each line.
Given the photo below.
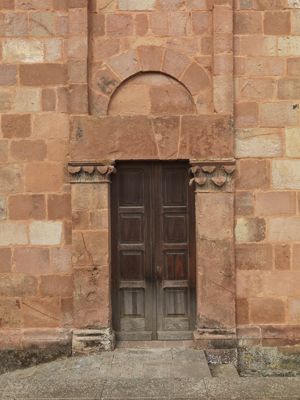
91, 341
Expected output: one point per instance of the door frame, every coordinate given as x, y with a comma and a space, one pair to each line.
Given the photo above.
213, 181
167, 335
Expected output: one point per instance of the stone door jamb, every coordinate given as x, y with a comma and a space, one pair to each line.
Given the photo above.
216, 287
91, 255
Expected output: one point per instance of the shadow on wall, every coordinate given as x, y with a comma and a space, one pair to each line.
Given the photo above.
151, 93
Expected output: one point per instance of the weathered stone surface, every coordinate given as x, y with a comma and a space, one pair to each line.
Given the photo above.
5, 259
292, 142
41, 312
128, 5
282, 257
284, 229
166, 134
16, 126
119, 25
28, 150
258, 143
43, 74
244, 203
125, 65
92, 298
61, 259
43, 177
90, 248
59, 206
294, 310
28, 100
18, 285
32, 261
111, 138
56, 285
206, 137
45, 233
242, 311
214, 216
253, 174
8, 75
22, 207
51, 126
266, 311
150, 57
296, 257
250, 230
10, 314
279, 114
13, 234
10, 178
254, 257
288, 46
3, 208
273, 284
131, 100
216, 263
275, 203
19, 50
286, 174
91, 197
42, 24
151, 94
91, 341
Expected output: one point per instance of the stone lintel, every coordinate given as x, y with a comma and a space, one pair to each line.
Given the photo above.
89, 341
213, 175
91, 171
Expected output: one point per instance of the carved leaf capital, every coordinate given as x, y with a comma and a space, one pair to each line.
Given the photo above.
85, 172
212, 175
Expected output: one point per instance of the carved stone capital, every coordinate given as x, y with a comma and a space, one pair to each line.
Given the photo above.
90, 172
212, 176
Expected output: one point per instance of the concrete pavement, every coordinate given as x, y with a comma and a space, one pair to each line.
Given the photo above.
139, 374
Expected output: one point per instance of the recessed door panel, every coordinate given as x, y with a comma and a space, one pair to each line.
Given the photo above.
153, 255
131, 228
132, 265
176, 265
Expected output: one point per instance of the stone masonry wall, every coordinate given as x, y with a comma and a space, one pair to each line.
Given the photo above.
267, 97
36, 285
67, 64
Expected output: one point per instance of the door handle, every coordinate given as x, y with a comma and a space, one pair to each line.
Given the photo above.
158, 272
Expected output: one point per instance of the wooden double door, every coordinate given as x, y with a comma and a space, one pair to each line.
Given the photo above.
153, 254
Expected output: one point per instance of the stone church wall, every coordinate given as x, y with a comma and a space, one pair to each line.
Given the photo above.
188, 79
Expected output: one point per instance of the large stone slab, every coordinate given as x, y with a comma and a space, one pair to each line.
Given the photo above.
142, 137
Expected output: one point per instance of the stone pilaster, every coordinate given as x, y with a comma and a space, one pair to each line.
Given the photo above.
214, 187
91, 255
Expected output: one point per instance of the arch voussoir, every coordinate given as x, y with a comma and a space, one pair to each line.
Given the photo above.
106, 80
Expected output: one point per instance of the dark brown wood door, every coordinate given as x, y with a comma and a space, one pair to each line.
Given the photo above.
153, 255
